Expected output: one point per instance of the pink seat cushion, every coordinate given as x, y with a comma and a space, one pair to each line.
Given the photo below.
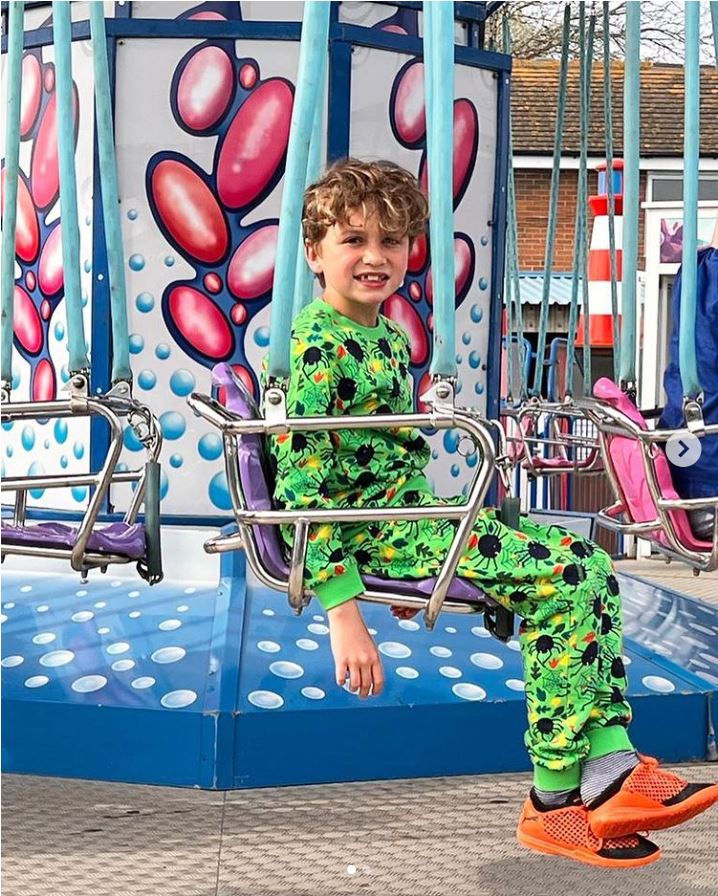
627, 457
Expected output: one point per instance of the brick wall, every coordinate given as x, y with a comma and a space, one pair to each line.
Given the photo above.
532, 200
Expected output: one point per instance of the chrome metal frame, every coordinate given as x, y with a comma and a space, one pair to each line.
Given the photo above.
442, 416
611, 422
112, 407
577, 453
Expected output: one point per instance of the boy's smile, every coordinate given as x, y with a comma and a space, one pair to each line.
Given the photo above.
362, 265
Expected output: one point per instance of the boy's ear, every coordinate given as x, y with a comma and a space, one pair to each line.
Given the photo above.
314, 259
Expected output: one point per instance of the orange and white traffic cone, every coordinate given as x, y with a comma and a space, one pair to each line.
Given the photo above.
600, 311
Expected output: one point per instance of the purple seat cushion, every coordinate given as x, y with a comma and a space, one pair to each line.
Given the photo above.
254, 475
117, 538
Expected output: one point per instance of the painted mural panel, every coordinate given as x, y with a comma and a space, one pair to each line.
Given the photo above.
40, 345
200, 194
39, 15
217, 10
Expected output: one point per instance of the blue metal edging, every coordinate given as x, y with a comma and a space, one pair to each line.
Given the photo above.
339, 97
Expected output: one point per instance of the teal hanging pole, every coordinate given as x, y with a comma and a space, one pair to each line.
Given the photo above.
553, 207
687, 327
631, 149
315, 33
608, 122
513, 290
578, 245
714, 21
13, 74
121, 370
439, 80
428, 38
62, 42
303, 276
586, 71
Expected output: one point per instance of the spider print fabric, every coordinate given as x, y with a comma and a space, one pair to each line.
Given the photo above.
562, 586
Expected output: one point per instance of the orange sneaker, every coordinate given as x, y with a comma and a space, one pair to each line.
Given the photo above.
649, 799
567, 832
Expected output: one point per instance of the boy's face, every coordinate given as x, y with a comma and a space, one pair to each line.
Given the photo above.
362, 265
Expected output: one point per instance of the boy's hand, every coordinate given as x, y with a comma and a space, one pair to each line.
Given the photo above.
355, 653
404, 612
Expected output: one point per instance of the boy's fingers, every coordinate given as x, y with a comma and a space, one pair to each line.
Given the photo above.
366, 680
377, 674
341, 673
354, 677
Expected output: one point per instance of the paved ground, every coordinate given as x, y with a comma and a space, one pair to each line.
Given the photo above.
433, 837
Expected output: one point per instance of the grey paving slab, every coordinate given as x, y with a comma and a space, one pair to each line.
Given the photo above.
65, 837
428, 837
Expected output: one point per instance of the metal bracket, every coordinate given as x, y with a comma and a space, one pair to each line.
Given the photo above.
79, 388
441, 394
693, 415
275, 405
122, 389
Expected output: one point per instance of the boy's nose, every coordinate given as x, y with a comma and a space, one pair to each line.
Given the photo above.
373, 255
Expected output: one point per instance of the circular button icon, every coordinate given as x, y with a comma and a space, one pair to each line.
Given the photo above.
683, 450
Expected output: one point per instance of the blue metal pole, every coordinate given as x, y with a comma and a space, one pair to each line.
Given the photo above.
304, 277
714, 20
315, 33
68, 187
110, 197
631, 138
439, 81
687, 326
12, 173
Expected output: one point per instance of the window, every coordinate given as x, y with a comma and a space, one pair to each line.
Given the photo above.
670, 189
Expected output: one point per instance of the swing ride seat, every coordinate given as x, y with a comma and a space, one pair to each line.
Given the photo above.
88, 545
265, 549
532, 448
255, 480
116, 539
647, 504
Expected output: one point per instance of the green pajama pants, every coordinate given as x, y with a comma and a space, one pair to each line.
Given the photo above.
564, 589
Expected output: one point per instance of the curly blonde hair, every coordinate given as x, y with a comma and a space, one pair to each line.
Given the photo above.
383, 188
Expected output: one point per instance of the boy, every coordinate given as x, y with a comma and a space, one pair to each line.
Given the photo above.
591, 792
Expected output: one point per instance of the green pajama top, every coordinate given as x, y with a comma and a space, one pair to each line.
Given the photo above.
339, 367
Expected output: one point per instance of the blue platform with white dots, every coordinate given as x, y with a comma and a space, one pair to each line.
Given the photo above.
223, 686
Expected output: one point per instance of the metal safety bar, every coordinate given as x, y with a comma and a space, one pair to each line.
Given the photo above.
112, 409
441, 417
610, 421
